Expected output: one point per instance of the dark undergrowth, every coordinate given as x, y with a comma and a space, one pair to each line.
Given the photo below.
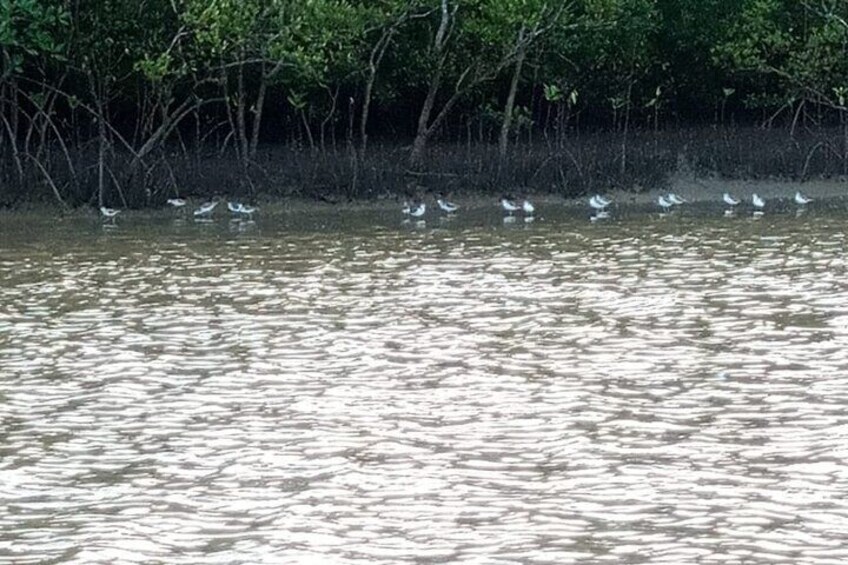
581, 164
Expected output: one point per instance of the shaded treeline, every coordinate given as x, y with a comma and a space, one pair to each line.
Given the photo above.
130, 102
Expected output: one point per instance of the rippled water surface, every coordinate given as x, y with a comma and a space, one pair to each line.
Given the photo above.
340, 388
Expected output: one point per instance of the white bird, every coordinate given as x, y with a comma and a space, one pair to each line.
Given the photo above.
665, 203
729, 200
247, 210
801, 199
674, 199
508, 204
598, 202
528, 207
234, 207
448, 207
176, 202
418, 211
108, 212
406, 208
757, 201
206, 208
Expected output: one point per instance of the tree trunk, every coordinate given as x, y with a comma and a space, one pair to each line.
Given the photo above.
101, 138
510, 99
241, 121
534, 104
334, 95
373, 65
14, 146
11, 129
2, 114
308, 130
424, 128
354, 161
101, 153
366, 104
197, 137
257, 114
626, 126
15, 115
423, 132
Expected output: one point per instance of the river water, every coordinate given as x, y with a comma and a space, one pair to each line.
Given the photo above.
339, 387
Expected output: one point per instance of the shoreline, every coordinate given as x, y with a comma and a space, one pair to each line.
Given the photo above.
694, 190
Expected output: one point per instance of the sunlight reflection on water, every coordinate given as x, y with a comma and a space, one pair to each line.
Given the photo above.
663, 390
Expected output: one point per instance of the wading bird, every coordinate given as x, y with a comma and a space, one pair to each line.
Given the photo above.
446, 206
247, 210
418, 211
757, 201
109, 213
801, 199
205, 209
527, 207
675, 199
730, 201
665, 203
508, 204
598, 202
176, 202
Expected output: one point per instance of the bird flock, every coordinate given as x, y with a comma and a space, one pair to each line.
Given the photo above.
598, 203
758, 202
417, 209
510, 204
204, 211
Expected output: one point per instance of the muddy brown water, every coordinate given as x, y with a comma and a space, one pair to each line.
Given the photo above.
339, 387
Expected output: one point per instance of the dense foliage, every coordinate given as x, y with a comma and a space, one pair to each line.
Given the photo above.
111, 98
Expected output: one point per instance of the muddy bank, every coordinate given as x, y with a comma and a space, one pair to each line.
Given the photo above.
707, 190
696, 191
